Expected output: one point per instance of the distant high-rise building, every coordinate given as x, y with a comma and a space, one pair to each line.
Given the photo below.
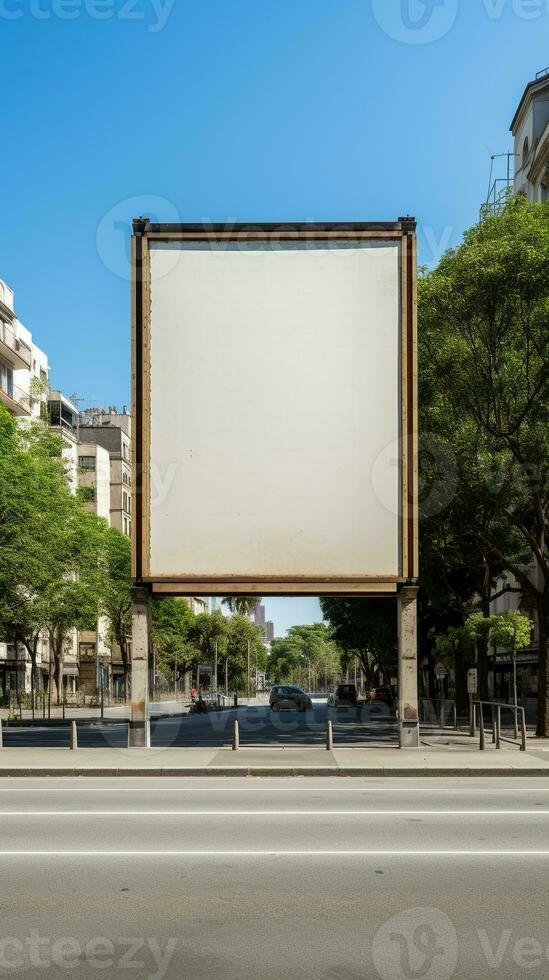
269, 630
258, 614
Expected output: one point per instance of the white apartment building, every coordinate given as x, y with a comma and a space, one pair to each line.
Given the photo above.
63, 420
24, 375
24, 367
530, 128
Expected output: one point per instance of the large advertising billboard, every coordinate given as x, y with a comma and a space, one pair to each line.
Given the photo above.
274, 373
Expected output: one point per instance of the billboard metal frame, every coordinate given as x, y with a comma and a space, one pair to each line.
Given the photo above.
403, 232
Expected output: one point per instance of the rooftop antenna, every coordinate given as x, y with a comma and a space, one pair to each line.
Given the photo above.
75, 398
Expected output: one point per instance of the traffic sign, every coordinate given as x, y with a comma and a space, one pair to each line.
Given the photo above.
472, 681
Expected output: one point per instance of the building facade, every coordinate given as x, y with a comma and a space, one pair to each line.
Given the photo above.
112, 431
24, 373
530, 129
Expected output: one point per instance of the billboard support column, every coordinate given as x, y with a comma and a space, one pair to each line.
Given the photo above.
141, 630
407, 668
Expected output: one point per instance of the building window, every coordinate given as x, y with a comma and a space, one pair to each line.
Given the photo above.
525, 151
6, 379
86, 463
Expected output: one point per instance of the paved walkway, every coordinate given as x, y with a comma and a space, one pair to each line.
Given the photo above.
430, 761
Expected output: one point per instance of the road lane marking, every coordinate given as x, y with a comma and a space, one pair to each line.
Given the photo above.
275, 813
195, 853
478, 790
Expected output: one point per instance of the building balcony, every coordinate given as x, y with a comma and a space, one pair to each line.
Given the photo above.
6, 300
16, 401
13, 350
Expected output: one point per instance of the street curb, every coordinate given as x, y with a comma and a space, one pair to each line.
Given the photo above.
271, 771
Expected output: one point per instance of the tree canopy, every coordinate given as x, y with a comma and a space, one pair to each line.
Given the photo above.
484, 359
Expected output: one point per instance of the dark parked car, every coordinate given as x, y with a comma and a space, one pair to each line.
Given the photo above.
289, 696
343, 694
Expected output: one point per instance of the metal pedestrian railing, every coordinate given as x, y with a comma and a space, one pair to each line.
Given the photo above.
495, 709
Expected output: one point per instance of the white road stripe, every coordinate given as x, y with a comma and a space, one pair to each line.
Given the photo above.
276, 789
286, 853
274, 813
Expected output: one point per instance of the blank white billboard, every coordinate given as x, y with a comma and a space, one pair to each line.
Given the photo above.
275, 409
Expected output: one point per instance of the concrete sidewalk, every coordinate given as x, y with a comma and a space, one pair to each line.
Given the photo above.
388, 762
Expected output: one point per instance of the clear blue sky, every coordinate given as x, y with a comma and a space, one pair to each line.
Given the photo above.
242, 110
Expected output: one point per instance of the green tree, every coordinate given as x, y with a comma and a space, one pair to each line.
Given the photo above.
366, 629
50, 549
173, 623
513, 632
117, 591
72, 599
484, 315
244, 638
306, 654
243, 605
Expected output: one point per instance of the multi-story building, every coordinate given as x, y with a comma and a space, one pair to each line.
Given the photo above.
101, 665
112, 430
63, 420
23, 366
23, 388
530, 128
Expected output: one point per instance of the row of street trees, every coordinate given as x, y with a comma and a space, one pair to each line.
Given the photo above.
484, 424
60, 566
307, 656
182, 641
484, 440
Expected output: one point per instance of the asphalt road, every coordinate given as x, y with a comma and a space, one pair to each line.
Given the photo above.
368, 724
238, 879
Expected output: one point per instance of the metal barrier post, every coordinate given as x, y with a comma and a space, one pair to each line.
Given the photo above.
1, 735
129, 742
442, 714
498, 726
493, 724
472, 723
329, 736
481, 726
455, 712
236, 736
523, 729
73, 736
